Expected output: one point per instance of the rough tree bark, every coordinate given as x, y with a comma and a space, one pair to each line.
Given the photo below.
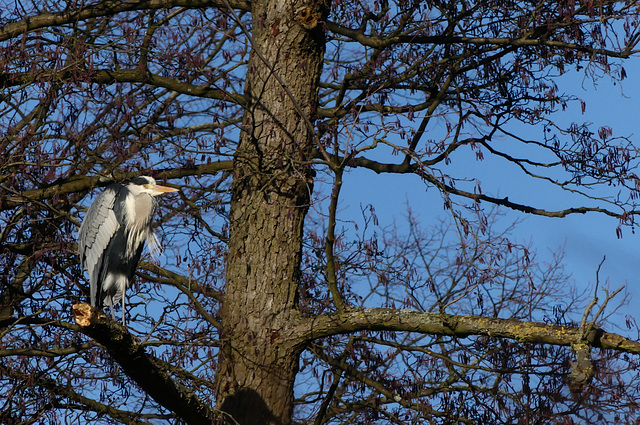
270, 197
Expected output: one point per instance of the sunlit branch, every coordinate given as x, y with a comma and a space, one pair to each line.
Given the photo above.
353, 320
84, 183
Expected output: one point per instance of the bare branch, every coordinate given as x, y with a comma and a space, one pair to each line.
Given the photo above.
353, 320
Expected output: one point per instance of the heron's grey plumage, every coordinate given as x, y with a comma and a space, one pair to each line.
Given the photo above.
112, 236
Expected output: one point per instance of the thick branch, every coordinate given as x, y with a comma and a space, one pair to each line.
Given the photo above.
142, 367
123, 76
82, 183
381, 42
105, 8
460, 326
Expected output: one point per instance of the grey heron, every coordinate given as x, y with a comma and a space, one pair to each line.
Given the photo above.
112, 235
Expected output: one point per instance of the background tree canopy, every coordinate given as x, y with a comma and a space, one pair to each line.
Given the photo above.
270, 305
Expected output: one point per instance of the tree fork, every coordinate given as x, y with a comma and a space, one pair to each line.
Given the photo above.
270, 196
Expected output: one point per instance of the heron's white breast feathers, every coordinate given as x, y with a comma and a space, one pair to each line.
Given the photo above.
129, 210
137, 214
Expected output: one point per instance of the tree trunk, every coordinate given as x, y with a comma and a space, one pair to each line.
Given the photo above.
270, 196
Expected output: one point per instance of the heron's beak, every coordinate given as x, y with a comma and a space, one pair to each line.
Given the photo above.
159, 190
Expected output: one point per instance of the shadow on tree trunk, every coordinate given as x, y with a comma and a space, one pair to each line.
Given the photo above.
247, 407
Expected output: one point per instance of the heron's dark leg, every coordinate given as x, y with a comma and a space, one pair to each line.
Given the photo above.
113, 314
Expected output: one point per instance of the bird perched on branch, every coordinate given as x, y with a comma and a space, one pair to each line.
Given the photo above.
112, 235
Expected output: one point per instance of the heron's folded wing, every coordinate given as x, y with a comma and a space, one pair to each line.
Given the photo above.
98, 227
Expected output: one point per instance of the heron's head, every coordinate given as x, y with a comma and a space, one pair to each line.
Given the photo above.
146, 184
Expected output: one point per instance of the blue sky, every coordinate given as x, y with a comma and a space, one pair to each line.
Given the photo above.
587, 238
